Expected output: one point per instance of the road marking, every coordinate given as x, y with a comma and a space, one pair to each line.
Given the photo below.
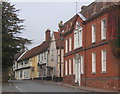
19, 89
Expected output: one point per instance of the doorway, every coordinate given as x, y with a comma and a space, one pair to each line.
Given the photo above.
77, 68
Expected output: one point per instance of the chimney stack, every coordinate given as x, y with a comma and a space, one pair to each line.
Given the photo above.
83, 7
47, 37
61, 26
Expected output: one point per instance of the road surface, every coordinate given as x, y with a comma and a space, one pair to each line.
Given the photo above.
36, 86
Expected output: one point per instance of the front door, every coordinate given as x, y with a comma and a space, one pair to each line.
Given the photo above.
77, 70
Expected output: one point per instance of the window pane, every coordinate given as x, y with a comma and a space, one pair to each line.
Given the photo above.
103, 29
93, 62
66, 68
70, 44
69, 67
66, 45
103, 60
82, 64
93, 33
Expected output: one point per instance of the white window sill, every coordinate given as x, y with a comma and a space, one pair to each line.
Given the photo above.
82, 73
103, 72
77, 47
93, 73
93, 42
103, 39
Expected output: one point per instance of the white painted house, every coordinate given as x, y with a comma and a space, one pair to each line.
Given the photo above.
54, 56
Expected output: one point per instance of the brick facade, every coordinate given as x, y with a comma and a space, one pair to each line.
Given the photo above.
104, 80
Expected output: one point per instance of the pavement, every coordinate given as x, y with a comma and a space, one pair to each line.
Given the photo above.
81, 87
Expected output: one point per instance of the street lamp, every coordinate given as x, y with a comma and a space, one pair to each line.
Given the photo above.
61, 27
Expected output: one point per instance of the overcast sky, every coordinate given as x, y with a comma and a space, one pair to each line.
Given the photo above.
40, 16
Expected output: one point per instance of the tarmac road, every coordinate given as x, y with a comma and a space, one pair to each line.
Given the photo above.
35, 86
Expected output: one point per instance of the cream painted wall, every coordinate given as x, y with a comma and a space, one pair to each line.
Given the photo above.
52, 47
56, 59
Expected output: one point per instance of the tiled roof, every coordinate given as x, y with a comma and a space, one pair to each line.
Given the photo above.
57, 38
36, 50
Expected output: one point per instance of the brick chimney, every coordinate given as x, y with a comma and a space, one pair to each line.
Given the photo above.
83, 7
47, 37
61, 26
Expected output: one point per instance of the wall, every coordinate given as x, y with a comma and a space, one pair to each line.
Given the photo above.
53, 60
34, 61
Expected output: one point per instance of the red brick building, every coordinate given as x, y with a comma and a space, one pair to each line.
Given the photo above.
89, 58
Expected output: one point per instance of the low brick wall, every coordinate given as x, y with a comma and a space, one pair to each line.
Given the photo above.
70, 79
107, 83
110, 83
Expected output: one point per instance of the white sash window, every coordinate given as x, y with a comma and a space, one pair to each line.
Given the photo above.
73, 66
78, 38
70, 67
66, 45
103, 60
103, 29
93, 62
70, 44
93, 33
66, 68
82, 64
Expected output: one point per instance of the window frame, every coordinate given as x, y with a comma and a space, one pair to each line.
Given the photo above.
66, 46
93, 33
82, 64
93, 62
103, 30
78, 38
103, 59
66, 67
70, 66
70, 44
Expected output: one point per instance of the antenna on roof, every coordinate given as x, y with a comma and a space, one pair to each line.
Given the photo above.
76, 6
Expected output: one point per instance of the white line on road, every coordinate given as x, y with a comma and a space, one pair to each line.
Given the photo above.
19, 89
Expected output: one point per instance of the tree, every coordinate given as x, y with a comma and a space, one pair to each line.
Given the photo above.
11, 26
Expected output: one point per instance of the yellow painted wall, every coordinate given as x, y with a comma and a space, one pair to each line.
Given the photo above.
34, 61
